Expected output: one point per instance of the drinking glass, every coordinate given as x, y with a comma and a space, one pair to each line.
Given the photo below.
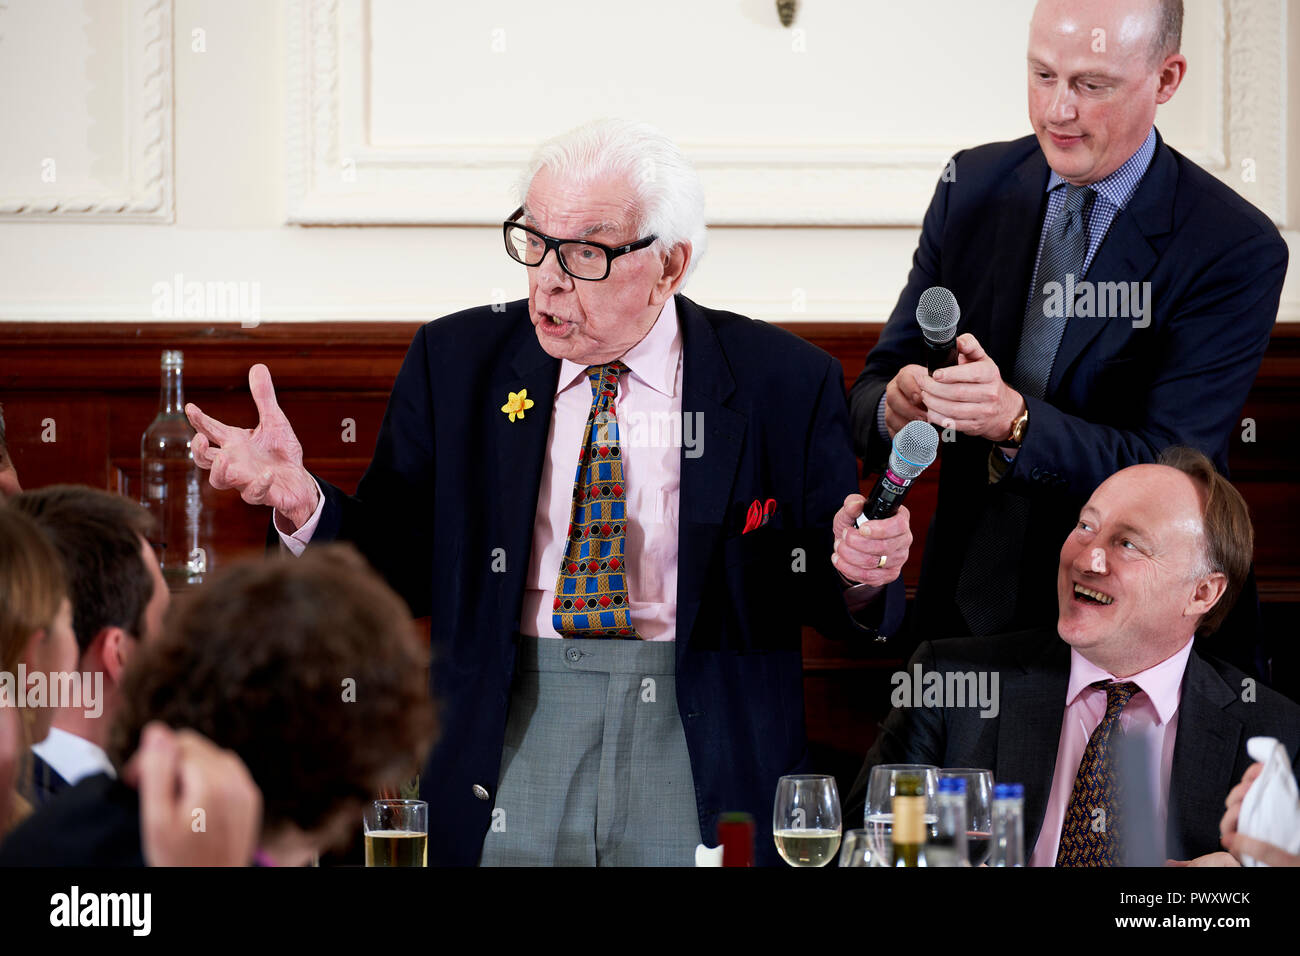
806, 819
979, 810
879, 810
397, 833
856, 849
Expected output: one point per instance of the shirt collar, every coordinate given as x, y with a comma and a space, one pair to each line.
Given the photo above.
73, 758
1119, 186
1163, 683
653, 360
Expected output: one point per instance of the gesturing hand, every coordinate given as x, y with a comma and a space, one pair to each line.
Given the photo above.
265, 464
971, 395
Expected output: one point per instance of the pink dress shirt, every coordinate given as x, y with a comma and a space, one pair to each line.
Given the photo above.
648, 407
649, 401
1152, 712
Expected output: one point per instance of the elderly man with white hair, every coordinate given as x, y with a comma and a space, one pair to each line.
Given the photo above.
616, 507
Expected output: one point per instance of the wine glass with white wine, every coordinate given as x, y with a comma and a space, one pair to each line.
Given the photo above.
806, 820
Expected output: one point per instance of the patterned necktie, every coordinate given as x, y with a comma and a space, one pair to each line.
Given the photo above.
591, 592
1089, 837
988, 585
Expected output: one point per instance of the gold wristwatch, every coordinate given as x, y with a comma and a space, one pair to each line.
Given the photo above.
1019, 425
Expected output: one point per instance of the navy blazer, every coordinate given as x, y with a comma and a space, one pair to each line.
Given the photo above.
452, 491
1118, 394
1019, 744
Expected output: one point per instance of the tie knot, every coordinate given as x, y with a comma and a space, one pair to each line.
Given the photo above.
1117, 695
604, 379
1077, 198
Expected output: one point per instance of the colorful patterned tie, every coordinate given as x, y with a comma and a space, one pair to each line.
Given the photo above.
591, 592
1089, 838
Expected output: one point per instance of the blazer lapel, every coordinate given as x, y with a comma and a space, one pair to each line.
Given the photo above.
1029, 729
1205, 756
1125, 255
706, 477
1015, 246
517, 452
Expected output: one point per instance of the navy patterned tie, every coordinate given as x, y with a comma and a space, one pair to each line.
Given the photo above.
988, 585
1089, 832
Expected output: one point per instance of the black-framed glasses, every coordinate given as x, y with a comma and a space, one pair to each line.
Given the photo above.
580, 258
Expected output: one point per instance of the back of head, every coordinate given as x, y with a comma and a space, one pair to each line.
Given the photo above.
98, 536
32, 584
308, 668
1229, 534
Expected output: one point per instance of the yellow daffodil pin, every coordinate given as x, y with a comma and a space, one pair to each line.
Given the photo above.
517, 404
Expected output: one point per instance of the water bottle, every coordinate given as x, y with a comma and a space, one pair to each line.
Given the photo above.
1008, 825
948, 848
171, 484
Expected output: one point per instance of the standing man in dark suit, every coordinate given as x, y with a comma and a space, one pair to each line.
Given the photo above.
1158, 552
1115, 299
617, 508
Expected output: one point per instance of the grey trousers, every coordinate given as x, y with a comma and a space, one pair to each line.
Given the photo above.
595, 770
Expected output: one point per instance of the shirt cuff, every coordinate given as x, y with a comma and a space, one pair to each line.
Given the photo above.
296, 542
881, 427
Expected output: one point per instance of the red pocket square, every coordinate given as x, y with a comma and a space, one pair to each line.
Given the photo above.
759, 514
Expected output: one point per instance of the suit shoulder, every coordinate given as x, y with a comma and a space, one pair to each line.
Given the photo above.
468, 333
1235, 218
1261, 708
993, 161
758, 344
993, 650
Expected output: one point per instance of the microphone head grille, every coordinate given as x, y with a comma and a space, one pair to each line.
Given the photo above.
915, 449
937, 313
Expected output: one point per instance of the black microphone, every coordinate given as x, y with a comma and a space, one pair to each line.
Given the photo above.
937, 313
916, 447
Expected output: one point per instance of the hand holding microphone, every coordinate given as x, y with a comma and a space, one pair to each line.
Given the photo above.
873, 535
937, 313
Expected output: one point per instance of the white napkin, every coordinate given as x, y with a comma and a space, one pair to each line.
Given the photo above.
708, 855
1271, 808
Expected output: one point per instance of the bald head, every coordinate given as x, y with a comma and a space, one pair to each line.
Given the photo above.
1149, 30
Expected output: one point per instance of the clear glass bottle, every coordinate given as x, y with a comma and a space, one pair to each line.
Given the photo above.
171, 486
1008, 825
948, 847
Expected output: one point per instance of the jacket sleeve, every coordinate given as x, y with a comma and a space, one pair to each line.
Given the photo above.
1208, 356
830, 475
901, 342
907, 735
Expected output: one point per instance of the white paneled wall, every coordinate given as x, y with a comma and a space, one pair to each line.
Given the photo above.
348, 158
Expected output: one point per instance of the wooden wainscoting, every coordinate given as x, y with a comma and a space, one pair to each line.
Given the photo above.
78, 396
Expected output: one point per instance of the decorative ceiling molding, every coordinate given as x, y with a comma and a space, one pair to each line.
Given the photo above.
147, 133
336, 177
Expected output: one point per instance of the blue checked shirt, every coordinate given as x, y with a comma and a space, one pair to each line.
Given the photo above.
1113, 194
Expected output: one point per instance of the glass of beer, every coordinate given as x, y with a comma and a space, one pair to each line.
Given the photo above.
397, 833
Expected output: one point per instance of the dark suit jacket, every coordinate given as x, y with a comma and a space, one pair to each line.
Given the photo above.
46, 781
1117, 394
95, 823
453, 480
1019, 745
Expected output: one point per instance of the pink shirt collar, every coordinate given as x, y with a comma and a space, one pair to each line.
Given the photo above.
1163, 683
653, 360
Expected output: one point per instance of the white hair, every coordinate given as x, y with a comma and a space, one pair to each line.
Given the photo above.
669, 198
